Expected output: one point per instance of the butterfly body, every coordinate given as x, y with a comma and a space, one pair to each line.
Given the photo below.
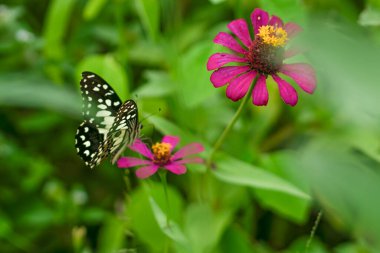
109, 125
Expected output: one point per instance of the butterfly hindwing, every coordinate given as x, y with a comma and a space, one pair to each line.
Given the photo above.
126, 127
87, 141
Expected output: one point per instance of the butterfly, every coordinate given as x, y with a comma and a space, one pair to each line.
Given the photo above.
109, 125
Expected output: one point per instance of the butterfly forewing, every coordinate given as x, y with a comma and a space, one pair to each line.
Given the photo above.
109, 125
100, 102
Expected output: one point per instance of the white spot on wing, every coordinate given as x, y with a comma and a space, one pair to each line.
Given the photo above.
108, 102
87, 144
103, 113
86, 129
116, 103
96, 89
105, 86
108, 121
103, 130
82, 137
102, 106
86, 152
120, 127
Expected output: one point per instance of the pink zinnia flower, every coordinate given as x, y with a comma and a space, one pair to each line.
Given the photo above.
161, 156
262, 56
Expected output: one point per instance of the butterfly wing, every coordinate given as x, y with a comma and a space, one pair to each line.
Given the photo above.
109, 125
87, 142
100, 102
124, 130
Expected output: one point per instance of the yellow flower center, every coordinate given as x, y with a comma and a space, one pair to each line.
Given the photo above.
161, 152
273, 35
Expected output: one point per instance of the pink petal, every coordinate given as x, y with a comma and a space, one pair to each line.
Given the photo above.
260, 92
172, 140
176, 168
147, 171
126, 162
239, 86
287, 92
225, 74
219, 59
191, 149
190, 160
140, 147
292, 29
303, 74
240, 28
258, 19
276, 21
227, 40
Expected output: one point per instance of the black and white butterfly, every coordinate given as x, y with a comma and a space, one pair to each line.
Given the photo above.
109, 125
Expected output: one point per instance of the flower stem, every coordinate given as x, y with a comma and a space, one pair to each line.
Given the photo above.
313, 230
221, 138
165, 186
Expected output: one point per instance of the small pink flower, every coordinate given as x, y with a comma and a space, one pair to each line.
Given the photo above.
262, 56
161, 157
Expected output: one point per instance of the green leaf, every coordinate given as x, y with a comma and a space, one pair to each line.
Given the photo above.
194, 80
110, 70
149, 13
144, 222
25, 90
235, 240
348, 186
169, 227
92, 8
285, 165
370, 16
298, 245
217, 1
56, 24
158, 84
289, 206
111, 236
237, 172
204, 226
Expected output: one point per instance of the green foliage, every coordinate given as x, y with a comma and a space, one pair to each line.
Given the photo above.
277, 168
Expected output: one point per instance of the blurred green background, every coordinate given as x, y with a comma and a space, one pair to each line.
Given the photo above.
277, 169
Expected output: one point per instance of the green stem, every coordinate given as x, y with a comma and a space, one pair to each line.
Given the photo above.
165, 186
313, 230
220, 140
